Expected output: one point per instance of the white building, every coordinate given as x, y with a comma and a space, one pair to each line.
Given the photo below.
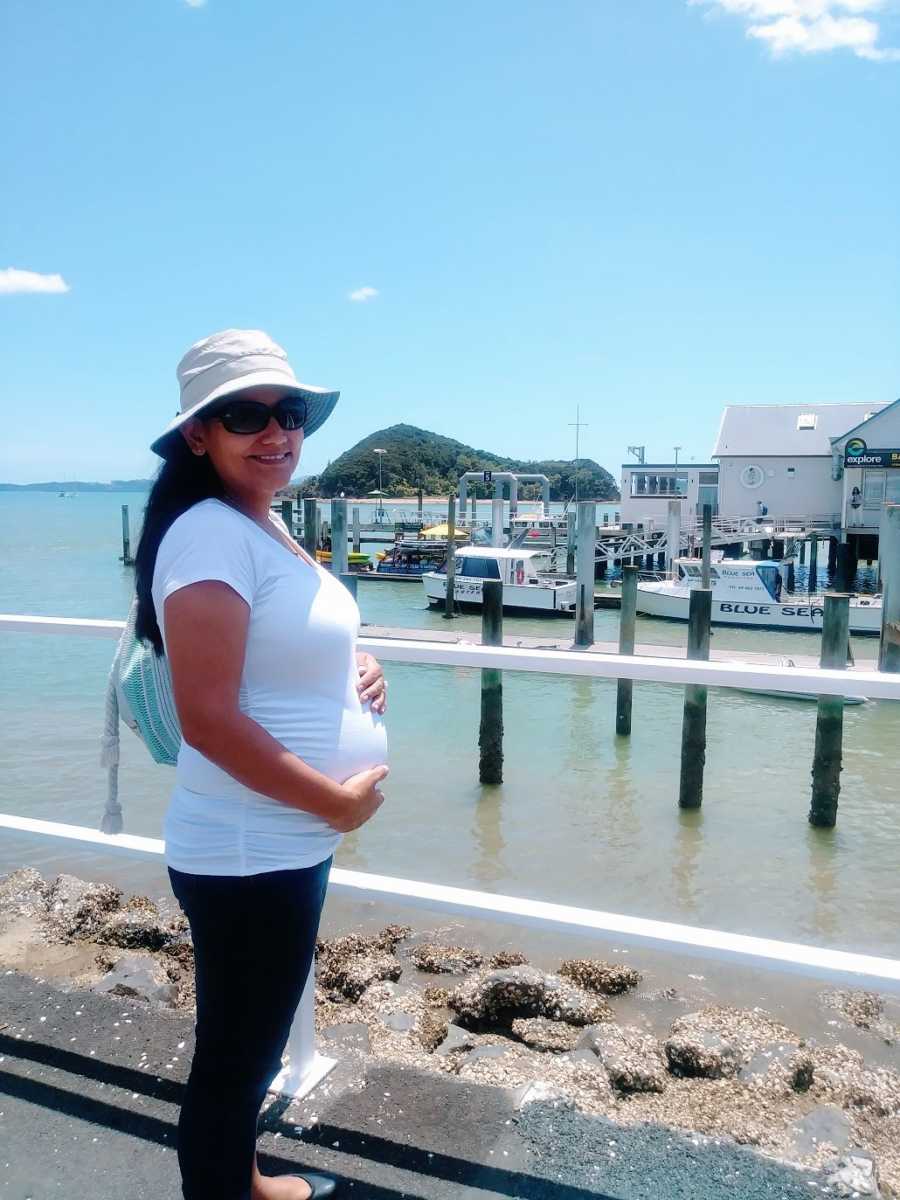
780, 457
648, 487
834, 463
868, 457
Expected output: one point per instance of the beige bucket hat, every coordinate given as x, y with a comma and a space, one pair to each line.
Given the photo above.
231, 361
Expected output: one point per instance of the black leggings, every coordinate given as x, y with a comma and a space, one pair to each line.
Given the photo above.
254, 942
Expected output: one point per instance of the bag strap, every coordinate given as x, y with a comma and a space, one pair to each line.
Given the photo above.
112, 821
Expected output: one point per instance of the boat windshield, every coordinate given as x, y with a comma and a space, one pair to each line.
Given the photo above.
479, 568
771, 578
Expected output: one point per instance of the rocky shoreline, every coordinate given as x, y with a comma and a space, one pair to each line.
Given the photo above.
561, 1037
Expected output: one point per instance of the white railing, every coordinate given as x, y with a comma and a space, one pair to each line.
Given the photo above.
652, 540
306, 1067
874, 685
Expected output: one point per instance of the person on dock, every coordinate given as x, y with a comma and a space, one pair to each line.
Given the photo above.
283, 745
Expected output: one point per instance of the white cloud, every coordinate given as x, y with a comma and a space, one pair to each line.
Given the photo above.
361, 295
14, 282
811, 26
195, 3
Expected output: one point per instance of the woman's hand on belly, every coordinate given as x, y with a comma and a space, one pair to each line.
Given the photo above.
363, 799
372, 686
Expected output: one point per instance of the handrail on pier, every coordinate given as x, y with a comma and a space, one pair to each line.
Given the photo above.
874, 685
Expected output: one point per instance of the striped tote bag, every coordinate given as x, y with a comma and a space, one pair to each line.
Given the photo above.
139, 692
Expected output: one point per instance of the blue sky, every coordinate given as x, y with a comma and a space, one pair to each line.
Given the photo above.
650, 208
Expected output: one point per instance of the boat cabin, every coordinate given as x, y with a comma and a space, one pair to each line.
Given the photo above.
509, 565
412, 556
742, 577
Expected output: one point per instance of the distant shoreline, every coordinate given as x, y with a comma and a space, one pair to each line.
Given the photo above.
118, 485
144, 485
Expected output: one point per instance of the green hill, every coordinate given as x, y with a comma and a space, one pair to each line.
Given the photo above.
416, 458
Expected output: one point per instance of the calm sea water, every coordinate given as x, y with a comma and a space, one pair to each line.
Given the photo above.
582, 817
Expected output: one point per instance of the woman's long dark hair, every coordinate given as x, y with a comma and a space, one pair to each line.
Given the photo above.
184, 480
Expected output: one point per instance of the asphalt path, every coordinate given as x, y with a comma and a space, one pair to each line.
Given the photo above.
90, 1087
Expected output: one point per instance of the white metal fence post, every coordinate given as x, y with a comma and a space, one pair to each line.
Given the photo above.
305, 1068
673, 535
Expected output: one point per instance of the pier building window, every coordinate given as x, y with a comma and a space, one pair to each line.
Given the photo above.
658, 483
873, 489
708, 490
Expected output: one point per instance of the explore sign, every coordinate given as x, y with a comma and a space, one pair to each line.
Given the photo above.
858, 454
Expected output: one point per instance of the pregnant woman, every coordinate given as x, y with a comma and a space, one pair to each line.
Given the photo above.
283, 743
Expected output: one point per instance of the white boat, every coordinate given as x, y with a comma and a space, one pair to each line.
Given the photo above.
525, 588
750, 592
789, 662
536, 530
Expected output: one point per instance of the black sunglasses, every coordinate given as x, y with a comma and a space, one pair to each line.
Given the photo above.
252, 416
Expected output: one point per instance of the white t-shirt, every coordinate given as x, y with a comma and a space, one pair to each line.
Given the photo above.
298, 682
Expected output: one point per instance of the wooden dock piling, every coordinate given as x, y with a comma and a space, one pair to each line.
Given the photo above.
586, 551
339, 561
693, 726
449, 600
357, 539
490, 734
350, 582
310, 526
287, 515
571, 535
828, 754
842, 574
673, 535
627, 615
127, 560
889, 561
813, 577
706, 545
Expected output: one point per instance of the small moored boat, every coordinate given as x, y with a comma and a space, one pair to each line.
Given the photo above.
525, 587
789, 662
411, 557
750, 592
355, 561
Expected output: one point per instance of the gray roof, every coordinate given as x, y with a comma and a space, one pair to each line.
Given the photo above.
771, 429
881, 409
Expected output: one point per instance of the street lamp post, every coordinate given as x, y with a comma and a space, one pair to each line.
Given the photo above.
579, 425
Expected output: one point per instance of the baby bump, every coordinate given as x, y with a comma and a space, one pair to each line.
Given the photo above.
339, 743
362, 744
